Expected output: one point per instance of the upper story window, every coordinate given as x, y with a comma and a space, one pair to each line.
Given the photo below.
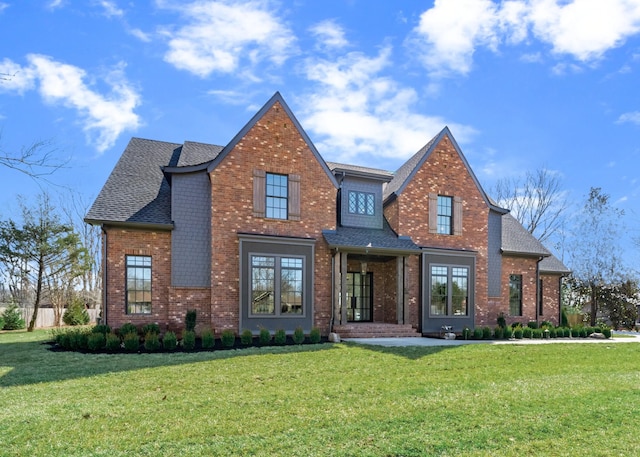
138, 284
445, 215
362, 203
277, 196
515, 295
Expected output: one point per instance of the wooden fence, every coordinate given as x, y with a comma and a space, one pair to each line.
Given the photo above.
45, 316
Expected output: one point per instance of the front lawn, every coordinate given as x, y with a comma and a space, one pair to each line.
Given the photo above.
324, 400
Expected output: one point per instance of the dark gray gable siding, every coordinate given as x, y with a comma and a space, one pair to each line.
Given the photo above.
360, 220
494, 255
137, 191
191, 237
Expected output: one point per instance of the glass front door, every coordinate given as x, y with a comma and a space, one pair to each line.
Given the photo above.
359, 297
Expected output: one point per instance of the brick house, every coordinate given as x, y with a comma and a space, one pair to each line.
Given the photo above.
263, 233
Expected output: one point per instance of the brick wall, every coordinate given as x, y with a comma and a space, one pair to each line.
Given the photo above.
122, 242
525, 266
445, 173
550, 298
273, 144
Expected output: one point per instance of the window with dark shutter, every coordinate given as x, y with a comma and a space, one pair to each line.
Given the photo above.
294, 197
259, 193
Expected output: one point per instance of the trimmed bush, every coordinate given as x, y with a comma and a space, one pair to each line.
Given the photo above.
170, 341
152, 341
498, 333
265, 336
606, 331
131, 342
314, 335
298, 335
246, 337
575, 332
553, 332
76, 314
12, 317
546, 324
508, 333
532, 324
486, 333
537, 333
208, 339
188, 340
228, 338
104, 329
280, 337
1, 322
151, 328
501, 321
96, 341
190, 320
516, 324
527, 332
583, 332
518, 333
112, 342
589, 330
127, 328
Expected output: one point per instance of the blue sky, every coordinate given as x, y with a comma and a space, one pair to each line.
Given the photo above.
522, 84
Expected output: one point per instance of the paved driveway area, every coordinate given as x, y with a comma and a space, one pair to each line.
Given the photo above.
618, 337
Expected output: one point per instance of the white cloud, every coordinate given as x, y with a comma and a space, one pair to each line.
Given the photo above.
356, 113
329, 35
103, 117
633, 117
3, 6
111, 9
223, 36
452, 30
139, 34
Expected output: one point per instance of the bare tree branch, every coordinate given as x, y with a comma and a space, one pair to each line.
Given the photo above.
38, 160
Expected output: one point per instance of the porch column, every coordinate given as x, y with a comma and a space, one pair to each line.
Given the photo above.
337, 294
400, 290
343, 288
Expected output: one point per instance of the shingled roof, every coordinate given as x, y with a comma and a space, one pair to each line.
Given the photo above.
137, 191
375, 241
517, 240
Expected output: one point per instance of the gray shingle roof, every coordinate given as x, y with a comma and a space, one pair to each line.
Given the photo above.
360, 170
375, 240
517, 240
553, 265
137, 191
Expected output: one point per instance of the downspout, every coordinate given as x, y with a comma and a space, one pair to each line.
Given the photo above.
538, 291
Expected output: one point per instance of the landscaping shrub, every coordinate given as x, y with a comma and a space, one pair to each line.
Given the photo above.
532, 324
498, 333
553, 332
280, 337
477, 333
516, 324
188, 340
96, 341
508, 333
12, 317
298, 335
546, 324
151, 328
518, 333
265, 336
536, 333
152, 341
527, 332
208, 339
246, 337
102, 328
314, 335
1, 322
228, 338
112, 342
486, 333
127, 328
583, 332
606, 331
575, 332
190, 320
564, 320
170, 341
76, 314
501, 321
589, 330
131, 342
466, 333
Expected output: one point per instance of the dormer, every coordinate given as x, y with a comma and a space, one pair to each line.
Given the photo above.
360, 195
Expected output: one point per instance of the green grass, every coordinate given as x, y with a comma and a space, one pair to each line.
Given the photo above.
337, 400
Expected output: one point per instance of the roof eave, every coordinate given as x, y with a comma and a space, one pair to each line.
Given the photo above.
132, 225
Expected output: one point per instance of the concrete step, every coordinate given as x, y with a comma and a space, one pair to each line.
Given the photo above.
375, 330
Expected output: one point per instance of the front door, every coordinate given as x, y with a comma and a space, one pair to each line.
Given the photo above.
359, 297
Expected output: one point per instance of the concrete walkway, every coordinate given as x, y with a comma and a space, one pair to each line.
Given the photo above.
618, 337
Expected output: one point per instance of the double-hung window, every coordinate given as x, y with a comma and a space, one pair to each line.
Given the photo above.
445, 215
277, 196
276, 285
449, 290
138, 284
362, 203
515, 295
